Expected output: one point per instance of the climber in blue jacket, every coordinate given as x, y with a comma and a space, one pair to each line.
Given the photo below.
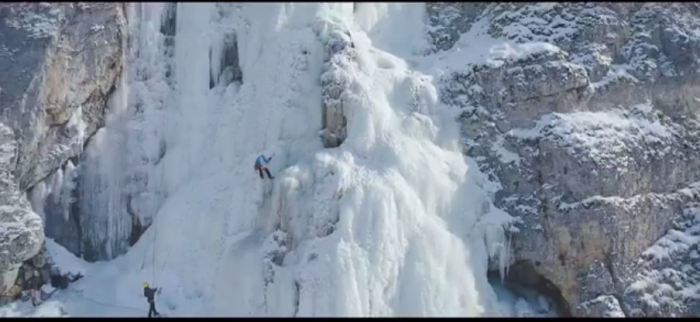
261, 164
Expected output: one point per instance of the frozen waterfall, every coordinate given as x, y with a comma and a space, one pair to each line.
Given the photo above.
395, 221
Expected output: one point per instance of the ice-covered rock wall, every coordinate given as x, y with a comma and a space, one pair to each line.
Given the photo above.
100, 202
59, 64
119, 185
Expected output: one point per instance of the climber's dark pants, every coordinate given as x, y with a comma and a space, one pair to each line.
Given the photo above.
36, 296
152, 309
260, 171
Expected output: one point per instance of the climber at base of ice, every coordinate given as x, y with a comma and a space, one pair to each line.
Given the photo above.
35, 291
150, 294
261, 164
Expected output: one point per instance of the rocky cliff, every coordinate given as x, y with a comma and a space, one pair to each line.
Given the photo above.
58, 66
586, 115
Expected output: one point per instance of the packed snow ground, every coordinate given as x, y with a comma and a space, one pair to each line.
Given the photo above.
99, 294
413, 227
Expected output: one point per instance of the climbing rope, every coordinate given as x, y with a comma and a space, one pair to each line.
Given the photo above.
153, 252
143, 261
267, 128
170, 248
153, 263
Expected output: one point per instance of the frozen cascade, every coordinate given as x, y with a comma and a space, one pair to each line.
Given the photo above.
393, 222
116, 182
119, 182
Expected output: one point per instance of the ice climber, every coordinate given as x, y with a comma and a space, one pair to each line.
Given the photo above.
261, 164
150, 294
35, 288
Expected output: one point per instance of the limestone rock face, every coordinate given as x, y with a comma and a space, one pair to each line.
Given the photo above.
58, 64
21, 233
587, 116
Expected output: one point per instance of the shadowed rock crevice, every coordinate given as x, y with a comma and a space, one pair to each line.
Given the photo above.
137, 228
226, 69
522, 276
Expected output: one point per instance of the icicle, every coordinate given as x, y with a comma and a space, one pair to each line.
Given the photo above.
215, 57
495, 242
67, 189
504, 261
38, 199
76, 121
57, 185
69, 173
501, 269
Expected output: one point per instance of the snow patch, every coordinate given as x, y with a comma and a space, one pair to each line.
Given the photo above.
36, 23
505, 155
677, 241
507, 52
601, 136
63, 260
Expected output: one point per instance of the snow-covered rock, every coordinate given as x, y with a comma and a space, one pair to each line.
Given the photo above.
667, 280
605, 306
21, 234
586, 116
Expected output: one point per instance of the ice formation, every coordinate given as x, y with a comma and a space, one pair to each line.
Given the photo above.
395, 221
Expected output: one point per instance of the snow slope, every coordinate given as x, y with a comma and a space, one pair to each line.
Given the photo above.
394, 222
